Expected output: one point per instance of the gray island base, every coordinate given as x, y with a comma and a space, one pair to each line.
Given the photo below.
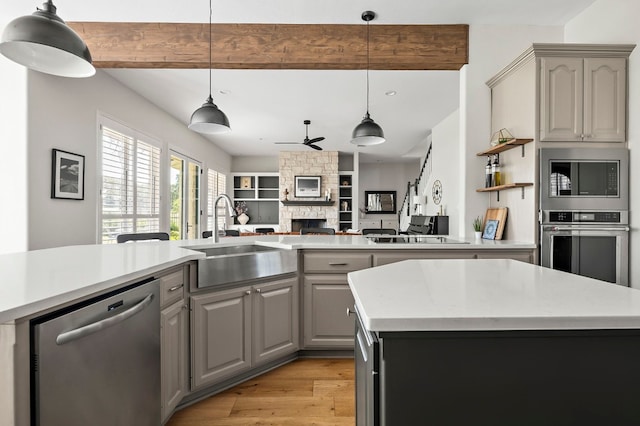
494, 342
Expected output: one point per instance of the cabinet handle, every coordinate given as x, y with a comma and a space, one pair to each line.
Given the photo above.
176, 287
248, 292
350, 312
338, 264
258, 290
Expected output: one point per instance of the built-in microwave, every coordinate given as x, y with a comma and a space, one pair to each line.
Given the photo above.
584, 179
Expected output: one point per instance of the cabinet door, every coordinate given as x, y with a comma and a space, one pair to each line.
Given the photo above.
221, 341
275, 319
326, 299
173, 355
605, 99
561, 99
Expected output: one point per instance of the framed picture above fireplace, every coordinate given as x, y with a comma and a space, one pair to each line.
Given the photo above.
307, 186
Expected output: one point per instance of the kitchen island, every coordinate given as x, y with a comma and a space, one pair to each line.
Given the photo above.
39, 282
493, 342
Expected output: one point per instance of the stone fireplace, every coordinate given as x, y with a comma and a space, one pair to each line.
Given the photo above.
298, 224
314, 163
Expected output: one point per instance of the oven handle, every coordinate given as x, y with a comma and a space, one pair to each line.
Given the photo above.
583, 228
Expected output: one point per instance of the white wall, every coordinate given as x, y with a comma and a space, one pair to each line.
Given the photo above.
616, 21
13, 125
445, 154
254, 164
490, 49
62, 114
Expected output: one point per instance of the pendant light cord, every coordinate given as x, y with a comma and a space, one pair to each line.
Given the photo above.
210, 48
367, 68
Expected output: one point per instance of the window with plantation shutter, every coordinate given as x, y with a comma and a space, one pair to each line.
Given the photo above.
130, 193
217, 183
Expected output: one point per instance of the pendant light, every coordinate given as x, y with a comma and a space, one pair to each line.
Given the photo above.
367, 132
208, 118
43, 42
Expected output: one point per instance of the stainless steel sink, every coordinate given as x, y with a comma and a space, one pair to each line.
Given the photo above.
224, 251
231, 264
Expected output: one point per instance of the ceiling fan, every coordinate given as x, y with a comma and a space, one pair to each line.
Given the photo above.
308, 142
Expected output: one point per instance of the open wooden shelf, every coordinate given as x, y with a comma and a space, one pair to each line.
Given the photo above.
505, 146
503, 187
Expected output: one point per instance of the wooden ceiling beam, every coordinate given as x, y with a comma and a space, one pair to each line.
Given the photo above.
275, 46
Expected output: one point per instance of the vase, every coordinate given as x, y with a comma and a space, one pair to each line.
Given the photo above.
478, 235
243, 218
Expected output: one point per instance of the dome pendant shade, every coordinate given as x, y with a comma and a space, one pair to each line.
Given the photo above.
209, 119
367, 133
43, 42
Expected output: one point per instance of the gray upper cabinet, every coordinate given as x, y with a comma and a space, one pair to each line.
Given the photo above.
583, 99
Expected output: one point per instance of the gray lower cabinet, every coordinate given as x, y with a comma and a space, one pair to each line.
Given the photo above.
234, 330
173, 344
173, 339
326, 299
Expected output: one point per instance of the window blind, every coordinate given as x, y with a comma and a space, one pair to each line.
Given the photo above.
130, 185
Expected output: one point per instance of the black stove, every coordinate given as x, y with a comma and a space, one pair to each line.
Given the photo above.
412, 239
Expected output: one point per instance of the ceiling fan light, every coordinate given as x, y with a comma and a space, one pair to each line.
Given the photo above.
43, 42
367, 133
209, 119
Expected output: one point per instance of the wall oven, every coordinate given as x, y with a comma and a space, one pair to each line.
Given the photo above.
584, 218
593, 244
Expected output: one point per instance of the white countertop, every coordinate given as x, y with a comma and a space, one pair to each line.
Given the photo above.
37, 280
439, 295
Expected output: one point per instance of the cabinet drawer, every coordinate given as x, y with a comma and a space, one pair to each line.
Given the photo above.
172, 287
338, 263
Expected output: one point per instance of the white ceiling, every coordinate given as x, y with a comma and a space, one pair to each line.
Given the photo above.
265, 106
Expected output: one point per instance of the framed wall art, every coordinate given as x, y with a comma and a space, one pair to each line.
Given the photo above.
307, 186
67, 175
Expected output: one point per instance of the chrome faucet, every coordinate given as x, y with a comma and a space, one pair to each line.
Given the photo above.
232, 212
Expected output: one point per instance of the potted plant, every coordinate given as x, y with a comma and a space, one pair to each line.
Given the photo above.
477, 227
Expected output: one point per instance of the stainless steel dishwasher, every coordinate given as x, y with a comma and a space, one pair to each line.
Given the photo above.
98, 363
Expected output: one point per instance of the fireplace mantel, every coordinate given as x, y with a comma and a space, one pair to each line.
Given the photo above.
307, 203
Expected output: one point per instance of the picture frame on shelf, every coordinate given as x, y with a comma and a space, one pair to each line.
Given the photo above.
67, 175
307, 186
490, 228
245, 182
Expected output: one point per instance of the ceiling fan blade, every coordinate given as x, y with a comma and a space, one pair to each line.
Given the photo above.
314, 147
314, 140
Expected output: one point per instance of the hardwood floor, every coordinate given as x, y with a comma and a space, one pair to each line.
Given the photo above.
319, 392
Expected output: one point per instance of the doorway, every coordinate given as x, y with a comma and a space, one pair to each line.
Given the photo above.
184, 217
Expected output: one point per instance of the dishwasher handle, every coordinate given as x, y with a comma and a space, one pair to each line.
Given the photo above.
88, 329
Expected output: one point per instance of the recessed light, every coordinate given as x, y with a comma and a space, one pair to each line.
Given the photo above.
224, 92
391, 93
